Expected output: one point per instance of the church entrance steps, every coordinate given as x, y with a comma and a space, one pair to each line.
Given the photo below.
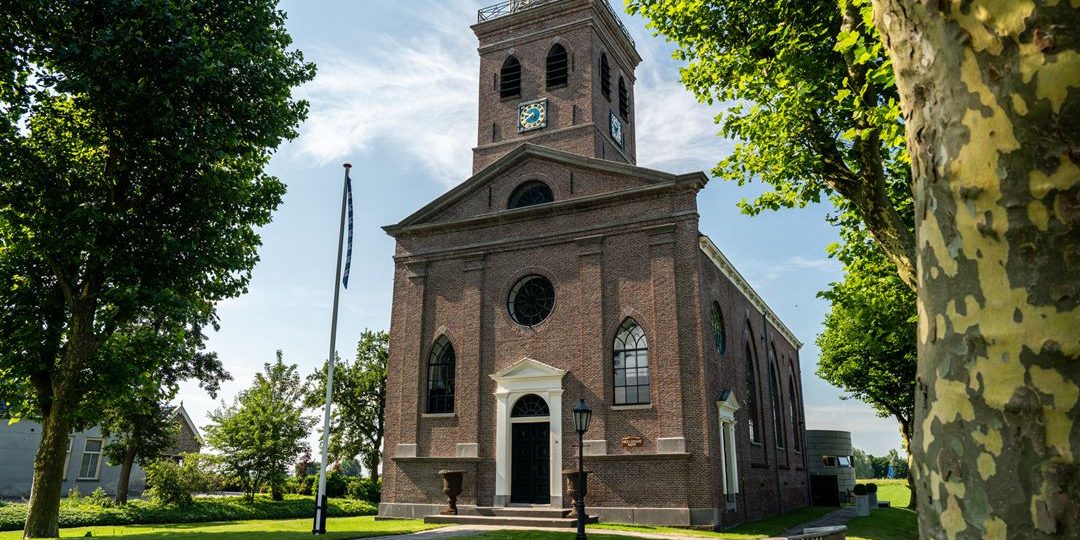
511, 517
519, 511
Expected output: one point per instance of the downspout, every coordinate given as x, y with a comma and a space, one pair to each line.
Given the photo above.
773, 405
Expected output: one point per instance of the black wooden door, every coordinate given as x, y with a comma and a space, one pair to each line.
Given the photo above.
530, 466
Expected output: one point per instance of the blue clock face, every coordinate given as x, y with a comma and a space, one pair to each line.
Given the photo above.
616, 129
532, 115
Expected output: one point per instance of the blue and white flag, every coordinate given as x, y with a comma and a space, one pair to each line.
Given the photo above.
348, 251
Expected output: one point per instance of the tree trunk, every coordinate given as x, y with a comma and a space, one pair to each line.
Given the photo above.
43, 511
125, 475
905, 437
992, 112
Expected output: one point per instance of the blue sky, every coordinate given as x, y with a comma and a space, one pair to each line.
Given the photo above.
396, 95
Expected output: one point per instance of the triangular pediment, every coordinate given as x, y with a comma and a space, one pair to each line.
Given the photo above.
527, 368
458, 204
726, 400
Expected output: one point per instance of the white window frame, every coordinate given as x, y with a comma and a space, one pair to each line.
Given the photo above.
67, 457
99, 453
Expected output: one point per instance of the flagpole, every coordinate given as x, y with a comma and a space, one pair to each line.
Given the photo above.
320, 499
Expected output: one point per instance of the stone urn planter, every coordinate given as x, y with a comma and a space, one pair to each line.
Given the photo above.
862, 501
871, 493
571, 489
451, 487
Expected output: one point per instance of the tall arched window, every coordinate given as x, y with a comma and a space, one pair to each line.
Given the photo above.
530, 193
510, 79
440, 398
558, 67
716, 321
752, 415
778, 419
631, 358
793, 414
624, 100
605, 77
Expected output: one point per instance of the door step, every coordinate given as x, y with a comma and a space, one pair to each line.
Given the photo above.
518, 511
513, 520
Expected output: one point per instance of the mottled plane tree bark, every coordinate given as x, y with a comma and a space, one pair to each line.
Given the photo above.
990, 92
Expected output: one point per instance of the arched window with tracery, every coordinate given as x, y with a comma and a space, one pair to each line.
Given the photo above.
510, 79
530, 405
753, 415
605, 77
631, 361
441, 363
558, 67
530, 193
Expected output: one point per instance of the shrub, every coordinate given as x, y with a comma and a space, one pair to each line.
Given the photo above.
307, 485
860, 489
364, 489
871, 488
336, 484
175, 483
81, 513
99, 498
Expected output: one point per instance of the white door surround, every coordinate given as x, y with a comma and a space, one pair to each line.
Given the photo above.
524, 377
726, 406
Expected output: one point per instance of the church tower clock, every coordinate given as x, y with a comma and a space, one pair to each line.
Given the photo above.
555, 73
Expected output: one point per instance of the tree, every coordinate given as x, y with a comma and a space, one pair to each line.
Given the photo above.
811, 115
989, 95
899, 465
359, 404
868, 346
141, 431
261, 434
133, 136
861, 461
990, 118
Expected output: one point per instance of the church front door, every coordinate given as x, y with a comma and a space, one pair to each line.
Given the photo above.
530, 465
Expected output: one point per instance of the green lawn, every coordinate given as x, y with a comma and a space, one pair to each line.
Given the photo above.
292, 529
748, 531
896, 523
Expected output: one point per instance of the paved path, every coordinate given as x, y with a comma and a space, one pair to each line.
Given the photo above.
466, 530
837, 517
832, 519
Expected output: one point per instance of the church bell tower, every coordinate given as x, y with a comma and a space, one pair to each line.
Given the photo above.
555, 73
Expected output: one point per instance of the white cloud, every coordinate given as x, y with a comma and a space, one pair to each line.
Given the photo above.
415, 94
763, 272
675, 132
869, 432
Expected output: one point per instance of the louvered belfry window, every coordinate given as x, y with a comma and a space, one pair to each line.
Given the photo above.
624, 100
557, 67
605, 77
510, 79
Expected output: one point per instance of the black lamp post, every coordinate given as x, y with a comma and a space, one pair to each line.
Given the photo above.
582, 415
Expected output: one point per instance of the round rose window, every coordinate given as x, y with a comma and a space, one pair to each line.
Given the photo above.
531, 300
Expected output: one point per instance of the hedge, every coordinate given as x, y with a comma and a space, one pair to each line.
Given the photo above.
83, 512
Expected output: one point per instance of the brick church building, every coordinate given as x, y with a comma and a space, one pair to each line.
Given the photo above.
561, 270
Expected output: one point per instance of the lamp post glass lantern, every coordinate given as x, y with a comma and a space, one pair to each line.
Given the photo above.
582, 416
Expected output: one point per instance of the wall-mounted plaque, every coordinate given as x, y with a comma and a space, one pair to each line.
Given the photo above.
631, 442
